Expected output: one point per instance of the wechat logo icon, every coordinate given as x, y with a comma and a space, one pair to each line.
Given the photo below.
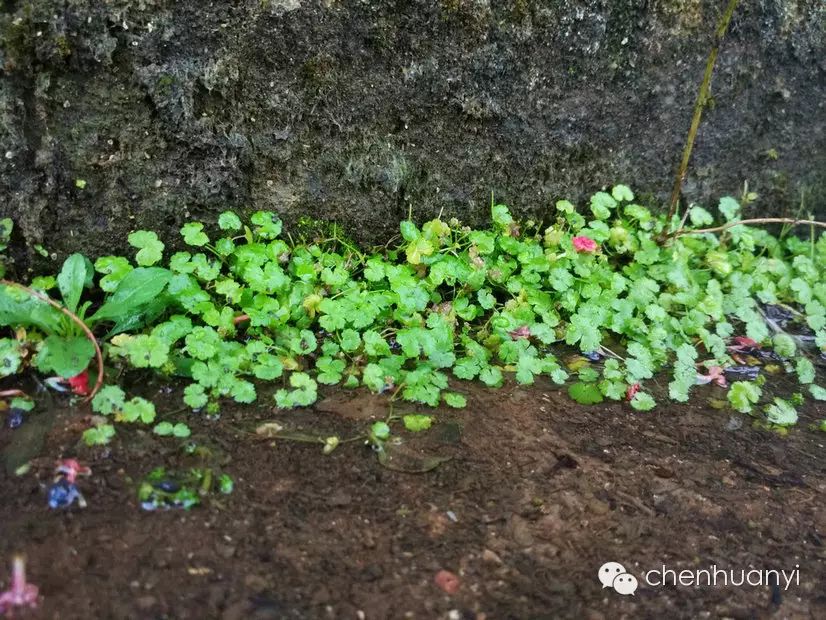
614, 575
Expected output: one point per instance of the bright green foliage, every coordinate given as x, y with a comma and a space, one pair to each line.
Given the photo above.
99, 435
417, 422
303, 394
229, 221
72, 279
142, 351
585, 393
195, 396
267, 225
452, 399
114, 269
446, 304
150, 247
109, 400
11, 357
203, 343
818, 393
784, 345
43, 283
805, 370
781, 412
685, 373
329, 370
424, 385
379, 432
743, 395
225, 484
700, 217
167, 429
136, 297
137, 410
65, 357
622, 193
729, 207
6, 227
643, 402
602, 204
21, 402
193, 234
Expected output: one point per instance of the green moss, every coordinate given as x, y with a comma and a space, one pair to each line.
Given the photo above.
17, 40
469, 14
165, 83
521, 9
688, 15
311, 230
64, 50
318, 70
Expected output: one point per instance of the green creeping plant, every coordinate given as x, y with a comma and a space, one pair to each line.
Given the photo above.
245, 305
135, 297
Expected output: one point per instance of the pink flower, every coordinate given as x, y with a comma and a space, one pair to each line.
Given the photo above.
520, 332
71, 469
21, 593
743, 345
584, 244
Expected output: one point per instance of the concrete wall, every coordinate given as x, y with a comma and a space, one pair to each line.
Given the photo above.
357, 110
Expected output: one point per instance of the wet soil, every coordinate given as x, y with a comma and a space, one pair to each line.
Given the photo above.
538, 493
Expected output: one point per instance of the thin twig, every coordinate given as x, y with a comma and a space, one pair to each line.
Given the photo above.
8, 393
76, 319
757, 220
700, 104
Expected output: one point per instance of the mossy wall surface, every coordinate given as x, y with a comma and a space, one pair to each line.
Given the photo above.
358, 110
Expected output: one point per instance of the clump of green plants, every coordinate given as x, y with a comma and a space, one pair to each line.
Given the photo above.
636, 293
162, 489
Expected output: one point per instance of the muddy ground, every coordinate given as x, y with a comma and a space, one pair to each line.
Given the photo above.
539, 493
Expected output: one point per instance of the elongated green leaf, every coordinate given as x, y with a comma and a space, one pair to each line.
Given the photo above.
19, 308
138, 287
71, 280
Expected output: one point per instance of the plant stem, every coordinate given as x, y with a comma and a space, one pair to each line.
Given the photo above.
78, 321
12, 393
702, 100
757, 220
18, 574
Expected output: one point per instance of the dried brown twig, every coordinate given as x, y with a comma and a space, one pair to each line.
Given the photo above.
757, 220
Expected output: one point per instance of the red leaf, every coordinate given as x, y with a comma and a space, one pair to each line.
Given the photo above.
80, 384
631, 391
520, 332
